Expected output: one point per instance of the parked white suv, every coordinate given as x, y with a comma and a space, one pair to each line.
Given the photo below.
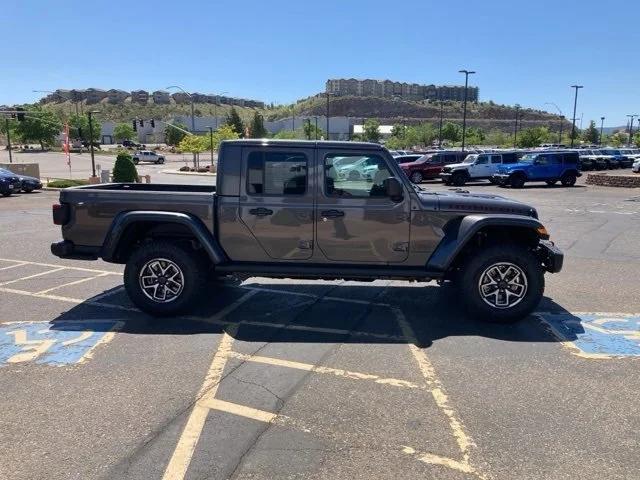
147, 156
480, 166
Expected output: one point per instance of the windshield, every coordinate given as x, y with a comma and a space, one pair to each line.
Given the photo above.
470, 159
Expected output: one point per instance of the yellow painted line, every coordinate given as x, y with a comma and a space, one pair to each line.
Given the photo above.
240, 410
311, 295
433, 459
183, 453
14, 266
81, 269
464, 441
54, 270
76, 282
106, 338
308, 367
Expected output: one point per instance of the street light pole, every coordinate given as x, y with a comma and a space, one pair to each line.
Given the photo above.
211, 140
561, 119
575, 104
601, 128
515, 130
440, 126
193, 115
328, 115
93, 161
6, 123
632, 117
464, 110
316, 117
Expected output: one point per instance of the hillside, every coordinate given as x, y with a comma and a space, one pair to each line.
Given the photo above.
487, 115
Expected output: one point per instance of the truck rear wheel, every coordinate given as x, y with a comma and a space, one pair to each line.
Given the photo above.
502, 284
568, 179
163, 278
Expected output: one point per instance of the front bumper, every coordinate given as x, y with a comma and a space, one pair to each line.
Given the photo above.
67, 249
551, 256
500, 178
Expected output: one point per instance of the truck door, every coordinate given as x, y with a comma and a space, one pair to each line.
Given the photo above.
276, 200
481, 167
494, 162
540, 169
355, 219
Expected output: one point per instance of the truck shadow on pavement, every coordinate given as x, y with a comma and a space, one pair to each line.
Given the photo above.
313, 313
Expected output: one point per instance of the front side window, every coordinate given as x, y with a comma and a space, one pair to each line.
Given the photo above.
355, 176
276, 173
482, 160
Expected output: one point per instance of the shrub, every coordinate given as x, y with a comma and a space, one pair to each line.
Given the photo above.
66, 183
124, 170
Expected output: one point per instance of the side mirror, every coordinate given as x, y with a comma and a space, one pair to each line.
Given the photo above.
393, 188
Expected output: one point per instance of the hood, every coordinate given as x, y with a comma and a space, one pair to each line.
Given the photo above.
512, 166
466, 202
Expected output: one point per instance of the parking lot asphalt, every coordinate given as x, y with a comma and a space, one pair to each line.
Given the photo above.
301, 379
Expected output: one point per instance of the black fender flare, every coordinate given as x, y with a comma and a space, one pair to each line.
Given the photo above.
194, 224
458, 234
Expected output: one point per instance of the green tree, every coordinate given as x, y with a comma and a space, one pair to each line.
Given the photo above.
123, 131
532, 137
591, 134
193, 144
172, 135
451, 132
498, 138
79, 128
288, 135
371, 130
225, 132
124, 170
310, 131
235, 122
257, 129
636, 139
618, 138
38, 126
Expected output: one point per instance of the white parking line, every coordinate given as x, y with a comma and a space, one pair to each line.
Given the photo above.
32, 276
13, 266
81, 269
82, 280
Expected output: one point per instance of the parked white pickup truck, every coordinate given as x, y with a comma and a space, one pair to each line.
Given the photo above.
147, 156
479, 166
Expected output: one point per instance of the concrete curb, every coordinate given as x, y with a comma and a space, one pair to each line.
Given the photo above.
197, 174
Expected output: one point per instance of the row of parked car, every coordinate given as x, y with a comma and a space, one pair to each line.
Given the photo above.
13, 183
513, 168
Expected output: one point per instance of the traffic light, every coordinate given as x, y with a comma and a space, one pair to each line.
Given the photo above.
20, 114
141, 123
135, 126
153, 123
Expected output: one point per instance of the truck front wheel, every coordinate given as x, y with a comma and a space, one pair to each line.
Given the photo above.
163, 278
459, 179
502, 284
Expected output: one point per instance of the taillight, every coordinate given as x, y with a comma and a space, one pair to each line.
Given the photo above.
60, 214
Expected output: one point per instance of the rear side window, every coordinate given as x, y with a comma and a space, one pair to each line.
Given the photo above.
276, 173
570, 158
555, 159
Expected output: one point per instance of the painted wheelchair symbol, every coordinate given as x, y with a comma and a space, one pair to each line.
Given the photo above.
597, 335
61, 344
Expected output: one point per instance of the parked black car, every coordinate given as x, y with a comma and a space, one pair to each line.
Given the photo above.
618, 160
9, 183
28, 184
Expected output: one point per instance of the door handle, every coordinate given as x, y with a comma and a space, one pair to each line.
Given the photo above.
261, 212
332, 213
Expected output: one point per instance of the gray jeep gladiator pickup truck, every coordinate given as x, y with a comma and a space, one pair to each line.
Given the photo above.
280, 209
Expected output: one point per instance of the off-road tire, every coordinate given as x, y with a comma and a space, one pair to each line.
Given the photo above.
517, 180
568, 179
459, 179
473, 272
193, 277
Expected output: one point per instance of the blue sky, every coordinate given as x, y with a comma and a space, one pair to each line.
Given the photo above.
524, 52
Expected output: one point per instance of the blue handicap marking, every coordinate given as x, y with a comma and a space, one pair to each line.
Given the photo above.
61, 343
597, 335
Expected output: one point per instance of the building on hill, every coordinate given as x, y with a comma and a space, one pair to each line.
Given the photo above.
116, 96
94, 95
403, 90
140, 96
161, 97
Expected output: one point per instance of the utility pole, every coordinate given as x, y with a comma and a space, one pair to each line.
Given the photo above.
6, 123
601, 128
464, 110
575, 104
93, 161
328, 115
561, 124
316, 117
293, 117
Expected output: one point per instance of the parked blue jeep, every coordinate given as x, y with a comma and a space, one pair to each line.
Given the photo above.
549, 167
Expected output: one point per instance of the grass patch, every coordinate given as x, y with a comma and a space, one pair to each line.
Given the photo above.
66, 183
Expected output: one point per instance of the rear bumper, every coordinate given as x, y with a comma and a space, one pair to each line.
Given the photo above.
67, 249
551, 256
